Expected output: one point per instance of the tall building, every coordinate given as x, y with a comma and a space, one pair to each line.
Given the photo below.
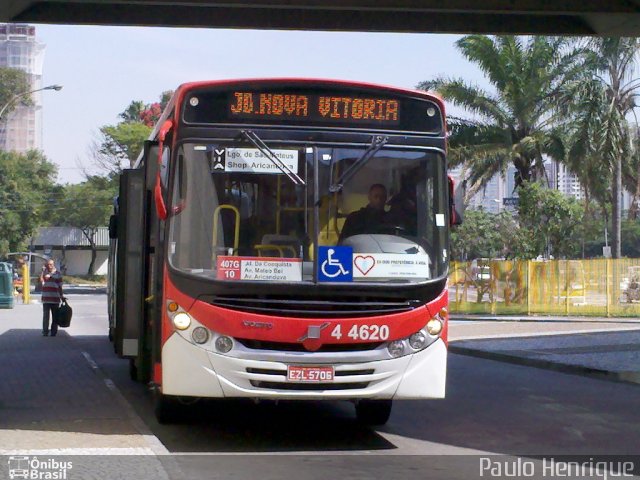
21, 130
568, 183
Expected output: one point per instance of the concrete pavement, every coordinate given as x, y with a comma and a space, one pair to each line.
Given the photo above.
607, 348
54, 398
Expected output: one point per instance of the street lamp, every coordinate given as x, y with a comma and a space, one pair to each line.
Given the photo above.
18, 96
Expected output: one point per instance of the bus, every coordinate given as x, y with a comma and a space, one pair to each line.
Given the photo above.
229, 276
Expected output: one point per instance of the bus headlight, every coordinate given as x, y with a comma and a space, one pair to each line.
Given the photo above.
181, 321
396, 348
200, 335
224, 344
418, 340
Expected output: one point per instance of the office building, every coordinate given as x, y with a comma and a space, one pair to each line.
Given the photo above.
21, 129
568, 183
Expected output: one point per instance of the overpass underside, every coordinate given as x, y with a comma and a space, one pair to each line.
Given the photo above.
567, 17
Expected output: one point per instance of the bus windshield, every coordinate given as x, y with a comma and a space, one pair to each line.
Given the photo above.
249, 213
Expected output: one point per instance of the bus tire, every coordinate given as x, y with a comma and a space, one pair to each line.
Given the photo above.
138, 371
373, 412
166, 408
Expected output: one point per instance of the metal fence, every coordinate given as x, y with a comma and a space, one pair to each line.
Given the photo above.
600, 287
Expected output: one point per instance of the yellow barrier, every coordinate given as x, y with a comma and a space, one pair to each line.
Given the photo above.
600, 287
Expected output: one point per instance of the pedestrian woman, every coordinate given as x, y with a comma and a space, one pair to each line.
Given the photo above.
51, 280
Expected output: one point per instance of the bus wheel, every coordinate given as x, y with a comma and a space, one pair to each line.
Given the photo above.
373, 412
166, 408
133, 370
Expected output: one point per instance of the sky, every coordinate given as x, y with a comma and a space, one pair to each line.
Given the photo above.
103, 69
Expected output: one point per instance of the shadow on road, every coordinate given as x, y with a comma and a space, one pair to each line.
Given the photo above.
233, 425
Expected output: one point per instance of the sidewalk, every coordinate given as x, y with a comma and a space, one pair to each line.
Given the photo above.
607, 348
54, 398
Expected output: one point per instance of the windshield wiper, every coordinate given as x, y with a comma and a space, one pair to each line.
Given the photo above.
268, 153
376, 144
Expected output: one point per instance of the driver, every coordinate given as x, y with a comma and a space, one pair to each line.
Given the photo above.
368, 219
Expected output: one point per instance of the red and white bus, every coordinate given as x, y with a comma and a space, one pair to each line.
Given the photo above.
230, 277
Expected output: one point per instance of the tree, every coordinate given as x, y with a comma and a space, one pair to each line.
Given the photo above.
480, 235
514, 123
631, 174
27, 196
13, 82
552, 221
87, 206
599, 102
119, 146
151, 113
133, 112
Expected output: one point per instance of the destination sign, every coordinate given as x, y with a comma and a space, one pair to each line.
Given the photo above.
313, 106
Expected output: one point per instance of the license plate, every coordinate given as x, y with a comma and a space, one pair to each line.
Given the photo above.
309, 374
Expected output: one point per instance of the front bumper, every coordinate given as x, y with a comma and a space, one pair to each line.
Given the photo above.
189, 370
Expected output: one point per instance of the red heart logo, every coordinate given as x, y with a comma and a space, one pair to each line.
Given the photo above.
364, 264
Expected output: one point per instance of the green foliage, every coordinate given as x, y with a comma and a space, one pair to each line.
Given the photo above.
546, 220
13, 82
121, 144
551, 219
133, 111
88, 206
27, 197
118, 146
482, 234
513, 123
596, 107
631, 239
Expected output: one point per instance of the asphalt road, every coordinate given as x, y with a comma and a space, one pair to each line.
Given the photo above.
491, 408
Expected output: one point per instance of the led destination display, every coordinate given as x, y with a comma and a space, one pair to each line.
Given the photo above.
313, 106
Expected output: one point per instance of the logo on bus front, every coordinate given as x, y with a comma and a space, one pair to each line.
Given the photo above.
335, 264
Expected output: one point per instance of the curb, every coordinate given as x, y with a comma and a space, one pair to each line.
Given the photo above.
622, 377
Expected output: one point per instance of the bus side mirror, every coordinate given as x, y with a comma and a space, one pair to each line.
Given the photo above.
456, 203
161, 207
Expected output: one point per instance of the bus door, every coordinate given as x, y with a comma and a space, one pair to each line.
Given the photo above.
129, 322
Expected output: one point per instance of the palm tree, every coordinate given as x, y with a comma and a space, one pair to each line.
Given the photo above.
598, 105
631, 174
514, 123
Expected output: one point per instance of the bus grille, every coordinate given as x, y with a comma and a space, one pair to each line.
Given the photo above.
299, 347
344, 308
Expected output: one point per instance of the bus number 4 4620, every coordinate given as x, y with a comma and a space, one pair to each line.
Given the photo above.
363, 332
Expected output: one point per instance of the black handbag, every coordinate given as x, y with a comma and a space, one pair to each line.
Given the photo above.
63, 317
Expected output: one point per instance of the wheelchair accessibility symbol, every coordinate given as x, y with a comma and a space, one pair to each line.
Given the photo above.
335, 264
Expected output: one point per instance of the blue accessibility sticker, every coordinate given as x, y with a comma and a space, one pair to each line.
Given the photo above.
335, 264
